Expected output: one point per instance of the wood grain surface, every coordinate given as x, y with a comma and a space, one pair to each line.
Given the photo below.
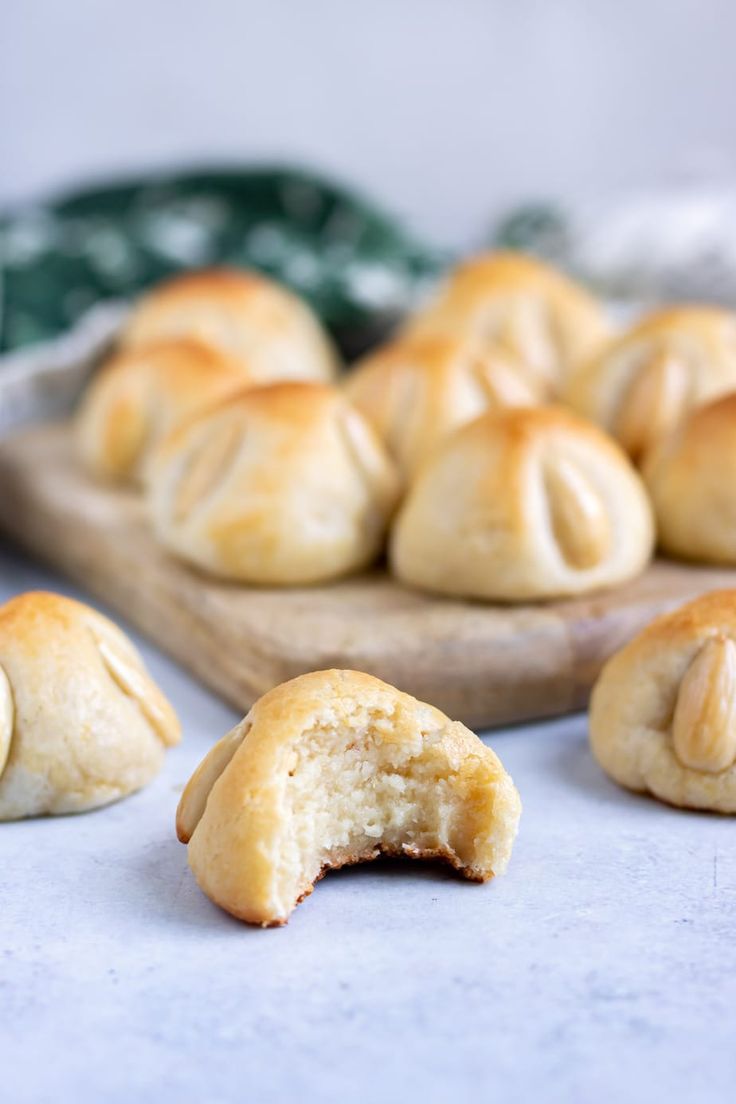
482, 664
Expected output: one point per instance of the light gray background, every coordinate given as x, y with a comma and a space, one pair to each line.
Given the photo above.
602, 967
447, 109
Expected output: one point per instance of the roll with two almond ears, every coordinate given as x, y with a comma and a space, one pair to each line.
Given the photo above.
414, 391
642, 386
242, 313
81, 721
522, 505
283, 485
516, 304
335, 768
663, 712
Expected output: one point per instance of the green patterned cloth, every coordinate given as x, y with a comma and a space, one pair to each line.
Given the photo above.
357, 266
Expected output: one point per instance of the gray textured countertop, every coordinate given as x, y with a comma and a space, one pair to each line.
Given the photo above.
601, 968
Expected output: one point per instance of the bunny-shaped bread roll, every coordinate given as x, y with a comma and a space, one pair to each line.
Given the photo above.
414, 391
81, 721
691, 478
141, 395
333, 768
641, 386
282, 485
521, 505
663, 712
516, 304
243, 314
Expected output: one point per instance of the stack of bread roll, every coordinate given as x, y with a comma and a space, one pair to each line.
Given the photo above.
506, 445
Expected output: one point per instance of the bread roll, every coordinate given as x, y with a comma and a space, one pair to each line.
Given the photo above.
141, 395
522, 505
641, 386
335, 768
414, 391
521, 306
286, 484
244, 315
81, 722
663, 712
691, 478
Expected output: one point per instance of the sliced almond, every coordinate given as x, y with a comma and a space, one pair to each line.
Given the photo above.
704, 723
7, 718
502, 382
194, 799
525, 331
579, 520
653, 404
134, 681
370, 460
207, 467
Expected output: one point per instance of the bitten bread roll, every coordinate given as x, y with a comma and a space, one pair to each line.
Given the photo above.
286, 484
141, 395
243, 314
517, 304
663, 712
416, 390
641, 386
81, 722
335, 768
522, 505
691, 479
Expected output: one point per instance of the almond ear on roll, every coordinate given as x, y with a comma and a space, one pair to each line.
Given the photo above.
642, 386
516, 304
663, 711
414, 391
691, 478
335, 768
245, 315
280, 485
579, 521
7, 718
522, 505
704, 721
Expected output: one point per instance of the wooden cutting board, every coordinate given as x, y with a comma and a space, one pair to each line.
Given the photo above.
481, 664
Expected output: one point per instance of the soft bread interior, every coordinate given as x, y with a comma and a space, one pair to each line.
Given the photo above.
352, 792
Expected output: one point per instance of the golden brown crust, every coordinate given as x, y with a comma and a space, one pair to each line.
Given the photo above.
140, 395
88, 723
641, 386
244, 314
241, 814
280, 485
665, 702
414, 391
520, 305
691, 478
228, 284
521, 505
